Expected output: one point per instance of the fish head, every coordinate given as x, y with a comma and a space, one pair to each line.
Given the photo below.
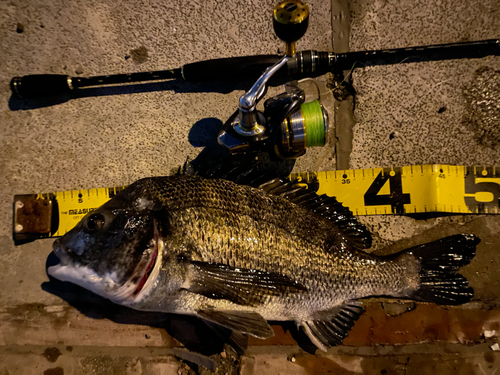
113, 249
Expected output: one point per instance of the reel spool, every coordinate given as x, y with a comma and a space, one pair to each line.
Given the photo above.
306, 127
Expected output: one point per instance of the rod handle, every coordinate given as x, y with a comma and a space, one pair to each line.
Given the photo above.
40, 85
245, 67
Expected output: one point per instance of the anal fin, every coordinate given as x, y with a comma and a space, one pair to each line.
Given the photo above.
326, 333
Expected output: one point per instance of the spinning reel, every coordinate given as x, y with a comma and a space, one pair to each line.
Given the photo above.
289, 124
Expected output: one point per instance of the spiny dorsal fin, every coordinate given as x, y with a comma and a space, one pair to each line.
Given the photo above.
323, 205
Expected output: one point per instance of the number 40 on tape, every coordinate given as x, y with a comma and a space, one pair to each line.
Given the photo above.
411, 189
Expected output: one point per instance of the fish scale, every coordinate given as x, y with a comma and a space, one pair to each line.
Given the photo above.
235, 214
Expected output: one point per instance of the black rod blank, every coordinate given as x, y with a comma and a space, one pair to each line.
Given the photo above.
436, 52
303, 64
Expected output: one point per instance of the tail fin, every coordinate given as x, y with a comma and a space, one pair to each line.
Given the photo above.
439, 262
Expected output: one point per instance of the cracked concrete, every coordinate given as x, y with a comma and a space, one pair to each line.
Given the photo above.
404, 114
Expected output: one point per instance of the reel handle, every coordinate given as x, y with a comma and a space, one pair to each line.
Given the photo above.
290, 21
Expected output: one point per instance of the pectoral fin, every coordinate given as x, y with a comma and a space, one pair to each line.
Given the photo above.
327, 333
244, 322
239, 285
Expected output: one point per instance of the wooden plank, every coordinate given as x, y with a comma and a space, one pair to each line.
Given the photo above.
65, 325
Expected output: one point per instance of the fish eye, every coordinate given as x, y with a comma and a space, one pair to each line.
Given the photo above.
94, 223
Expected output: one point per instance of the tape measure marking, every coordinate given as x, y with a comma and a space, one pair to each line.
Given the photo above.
398, 190
401, 190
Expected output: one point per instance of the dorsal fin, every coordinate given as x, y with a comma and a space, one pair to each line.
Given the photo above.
261, 172
323, 205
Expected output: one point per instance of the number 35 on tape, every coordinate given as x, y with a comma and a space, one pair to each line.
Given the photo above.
412, 189
405, 190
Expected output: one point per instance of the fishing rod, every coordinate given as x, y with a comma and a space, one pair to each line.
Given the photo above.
302, 64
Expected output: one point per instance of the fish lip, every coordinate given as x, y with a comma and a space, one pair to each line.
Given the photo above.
61, 252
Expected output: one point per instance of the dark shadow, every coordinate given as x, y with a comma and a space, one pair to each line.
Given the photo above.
298, 335
16, 104
244, 169
204, 133
213, 156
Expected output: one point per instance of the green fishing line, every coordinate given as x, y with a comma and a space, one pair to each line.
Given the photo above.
314, 123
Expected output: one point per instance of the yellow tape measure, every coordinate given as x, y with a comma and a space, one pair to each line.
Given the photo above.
412, 189
401, 190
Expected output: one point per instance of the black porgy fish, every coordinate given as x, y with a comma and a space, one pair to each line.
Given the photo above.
238, 256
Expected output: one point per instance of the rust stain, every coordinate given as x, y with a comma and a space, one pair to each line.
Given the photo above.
51, 354
425, 324
33, 215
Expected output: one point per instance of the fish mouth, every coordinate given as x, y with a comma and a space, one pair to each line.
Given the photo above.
108, 285
146, 274
143, 278
149, 273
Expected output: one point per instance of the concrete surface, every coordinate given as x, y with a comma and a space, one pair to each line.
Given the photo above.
404, 114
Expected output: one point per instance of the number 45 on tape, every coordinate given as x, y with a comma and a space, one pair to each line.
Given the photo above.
412, 189
405, 190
